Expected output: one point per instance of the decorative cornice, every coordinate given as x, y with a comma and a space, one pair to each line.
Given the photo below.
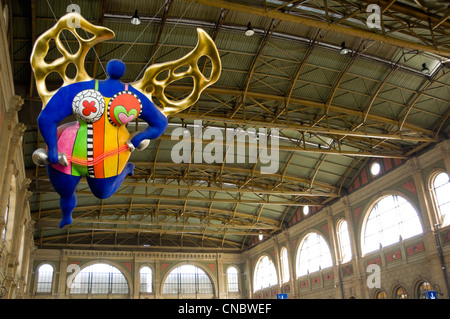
18, 131
16, 103
140, 255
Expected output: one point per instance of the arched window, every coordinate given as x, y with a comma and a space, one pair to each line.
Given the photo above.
265, 274
284, 265
422, 290
313, 255
401, 293
441, 191
99, 279
391, 217
380, 295
344, 241
233, 279
188, 279
44, 279
145, 276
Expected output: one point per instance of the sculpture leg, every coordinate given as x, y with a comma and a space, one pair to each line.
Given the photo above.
105, 187
65, 185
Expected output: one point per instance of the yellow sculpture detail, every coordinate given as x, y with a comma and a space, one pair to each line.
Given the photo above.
148, 85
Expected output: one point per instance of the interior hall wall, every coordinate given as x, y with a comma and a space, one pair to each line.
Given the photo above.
16, 226
406, 264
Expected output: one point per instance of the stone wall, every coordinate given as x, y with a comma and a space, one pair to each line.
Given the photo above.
129, 263
406, 264
16, 226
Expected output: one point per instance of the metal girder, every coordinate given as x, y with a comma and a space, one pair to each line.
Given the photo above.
97, 60
145, 227
263, 43
295, 100
248, 172
379, 118
306, 129
311, 47
428, 83
312, 150
232, 169
161, 28
409, 11
207, 200
353, 58
444, 18
368, 35
109, 210
140, 248
64, 241
276, 191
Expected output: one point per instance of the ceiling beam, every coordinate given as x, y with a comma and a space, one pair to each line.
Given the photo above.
295, 100
227, 91
284, 192
263, 43
233, 169
175, 231
78, 222
53, 241
237, 170
407, 10
313, 150
155, 48
267, 201
305, 129
419, 94
109, 210
444, 18
311, 47
277, 189
138, 247
304, 21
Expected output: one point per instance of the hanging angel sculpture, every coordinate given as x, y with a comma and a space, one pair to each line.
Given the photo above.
98, 145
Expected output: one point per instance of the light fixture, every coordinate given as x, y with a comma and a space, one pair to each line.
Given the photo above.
425, 70
375, 168
344, 50
249, 32
186, 131
135, 19
261, 237
306, 210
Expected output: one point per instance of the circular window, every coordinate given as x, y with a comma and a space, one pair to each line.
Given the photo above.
375, 168
305, 210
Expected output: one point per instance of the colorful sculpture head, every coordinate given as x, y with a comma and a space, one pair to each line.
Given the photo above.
115, 69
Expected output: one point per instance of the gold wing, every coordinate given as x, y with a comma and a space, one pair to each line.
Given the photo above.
149, 84
42, 69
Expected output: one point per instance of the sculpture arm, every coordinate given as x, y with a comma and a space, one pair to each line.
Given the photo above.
57, 109
156, 121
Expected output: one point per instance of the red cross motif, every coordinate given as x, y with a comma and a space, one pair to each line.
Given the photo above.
88, 108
